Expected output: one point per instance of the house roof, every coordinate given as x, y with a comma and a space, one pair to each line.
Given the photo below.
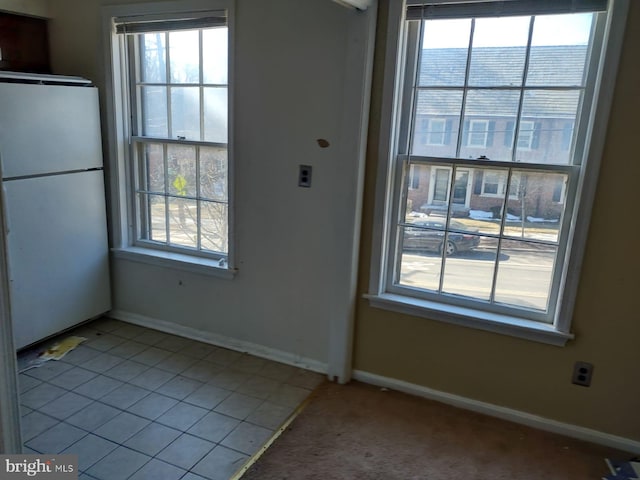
551, 66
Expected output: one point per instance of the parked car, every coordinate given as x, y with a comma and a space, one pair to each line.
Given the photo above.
429, 235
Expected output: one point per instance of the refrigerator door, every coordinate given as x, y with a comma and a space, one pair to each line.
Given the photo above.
48, 128
57, 252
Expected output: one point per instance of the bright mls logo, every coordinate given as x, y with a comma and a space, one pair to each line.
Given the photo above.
49, 467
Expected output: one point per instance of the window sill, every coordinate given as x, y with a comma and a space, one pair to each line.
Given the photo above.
178, 261
491, 322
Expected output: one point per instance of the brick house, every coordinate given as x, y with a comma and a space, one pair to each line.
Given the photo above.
547, 113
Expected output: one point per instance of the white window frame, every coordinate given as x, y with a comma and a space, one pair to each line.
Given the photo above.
525, 135
428, 137
381, 296
474, 131
432, 136
502, 184
123, 232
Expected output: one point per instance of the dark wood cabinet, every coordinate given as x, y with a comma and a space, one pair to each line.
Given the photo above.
24, 44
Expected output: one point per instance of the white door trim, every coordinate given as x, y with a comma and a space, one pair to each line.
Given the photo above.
359, 69
10, 437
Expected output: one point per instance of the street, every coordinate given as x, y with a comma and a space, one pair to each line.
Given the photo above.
523, 276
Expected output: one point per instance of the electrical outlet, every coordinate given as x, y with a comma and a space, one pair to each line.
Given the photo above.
304, 176
582, 373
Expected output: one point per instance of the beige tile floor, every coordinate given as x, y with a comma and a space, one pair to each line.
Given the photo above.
135, 403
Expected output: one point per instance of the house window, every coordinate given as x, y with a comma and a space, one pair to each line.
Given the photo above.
174, 70
433, 131
478, 133
436, 135
528, 135
501, 264
494, 183
525, 135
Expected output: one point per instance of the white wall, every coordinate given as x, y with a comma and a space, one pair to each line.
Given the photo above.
294, 245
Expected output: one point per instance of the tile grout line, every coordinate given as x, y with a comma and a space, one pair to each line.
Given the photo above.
226, 366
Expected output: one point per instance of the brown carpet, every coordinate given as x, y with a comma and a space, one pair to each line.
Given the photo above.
358, 431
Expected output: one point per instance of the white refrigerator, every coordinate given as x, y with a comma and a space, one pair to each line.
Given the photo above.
53, 204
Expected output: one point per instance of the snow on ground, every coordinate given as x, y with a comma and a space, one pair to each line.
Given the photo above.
480, 214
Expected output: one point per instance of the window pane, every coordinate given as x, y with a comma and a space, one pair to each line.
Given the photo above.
549, 111
157, 226
444, 55
153, 52
498, 59
214, 59
181, 89
470, 265
526, 134
154, 168
559, 49
488, 124
420, 263
534, 211
181, 163
183, 222
215, 114
524, 276
184, 55
491, 110
437, 122
213, 173
154, 111
429, 191
215, 226
185, 112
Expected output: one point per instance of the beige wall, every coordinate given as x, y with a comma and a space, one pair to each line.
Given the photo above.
520, 374
75, 36
502, 370
37, 8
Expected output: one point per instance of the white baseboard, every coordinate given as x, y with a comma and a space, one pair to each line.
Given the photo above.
504, 413
220, 341
516, 416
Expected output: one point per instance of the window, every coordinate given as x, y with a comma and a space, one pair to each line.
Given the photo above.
436, 131
525, 135
528, 135
174, 72
499, 260
494, 183
477, 133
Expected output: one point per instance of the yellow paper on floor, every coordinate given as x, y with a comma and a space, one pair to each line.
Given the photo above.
60, 349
